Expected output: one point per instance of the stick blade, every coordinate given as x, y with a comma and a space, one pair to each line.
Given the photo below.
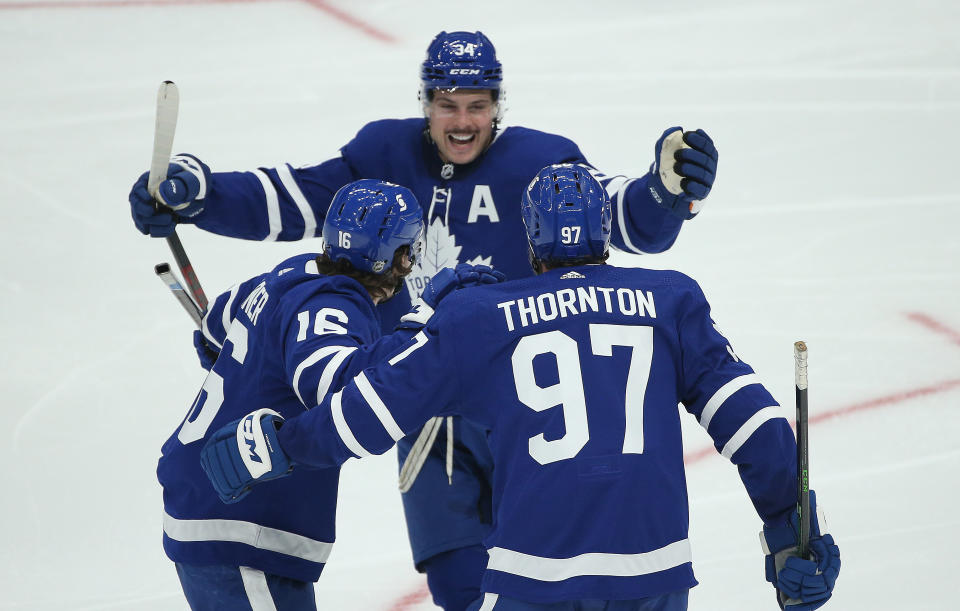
168, 106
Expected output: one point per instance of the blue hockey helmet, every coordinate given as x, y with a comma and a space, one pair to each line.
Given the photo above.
368, 221
567, 214
460, 60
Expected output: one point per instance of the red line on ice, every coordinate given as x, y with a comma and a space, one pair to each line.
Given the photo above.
409, 600
117, 3
337, 13
935, 326
899, 397
351, 20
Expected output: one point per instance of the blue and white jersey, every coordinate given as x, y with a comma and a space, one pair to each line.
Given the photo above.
577, 375
472, 216
287, 338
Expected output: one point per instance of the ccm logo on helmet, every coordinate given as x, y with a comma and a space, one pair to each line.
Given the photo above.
464, 71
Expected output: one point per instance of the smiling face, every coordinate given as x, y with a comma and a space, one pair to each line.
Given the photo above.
461, 123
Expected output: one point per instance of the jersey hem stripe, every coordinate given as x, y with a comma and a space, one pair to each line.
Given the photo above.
247, 533
613, 565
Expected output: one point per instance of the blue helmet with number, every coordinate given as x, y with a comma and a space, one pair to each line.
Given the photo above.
567, 214
368, 221
460, 60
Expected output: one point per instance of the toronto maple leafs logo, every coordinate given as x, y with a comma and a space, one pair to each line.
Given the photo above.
439, 250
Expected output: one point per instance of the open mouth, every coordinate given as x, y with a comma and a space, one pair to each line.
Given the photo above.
461, 139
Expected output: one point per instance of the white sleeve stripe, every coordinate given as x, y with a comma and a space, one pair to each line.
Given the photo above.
273, 206
343, 430
224, 318
749, 427
205, 329
312, 360
418, 340
309, 219
724, 393
621, 216
225, 315
378, 407
323, 386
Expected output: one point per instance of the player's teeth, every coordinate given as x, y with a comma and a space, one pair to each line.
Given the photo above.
461, 137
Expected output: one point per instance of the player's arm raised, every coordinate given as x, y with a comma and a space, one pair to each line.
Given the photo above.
269, 204
649, 211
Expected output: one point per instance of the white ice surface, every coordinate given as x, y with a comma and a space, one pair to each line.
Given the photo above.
835, 216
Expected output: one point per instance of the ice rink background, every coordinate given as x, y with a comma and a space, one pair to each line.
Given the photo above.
834, 219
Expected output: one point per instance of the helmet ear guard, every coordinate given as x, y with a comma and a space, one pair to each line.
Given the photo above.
567, 215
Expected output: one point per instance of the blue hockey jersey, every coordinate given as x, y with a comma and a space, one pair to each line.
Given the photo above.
286, 338
471, 217
577, 375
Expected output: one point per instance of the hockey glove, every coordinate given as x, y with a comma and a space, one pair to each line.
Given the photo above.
243, 453
442, 284
683, 171
205, 352
181, 196
801, 584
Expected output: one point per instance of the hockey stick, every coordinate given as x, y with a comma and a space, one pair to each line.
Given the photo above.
168, 106
165, 274
418, 453
803, 458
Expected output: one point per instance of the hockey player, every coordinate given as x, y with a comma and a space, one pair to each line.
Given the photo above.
286, 337
470, 174
577, 374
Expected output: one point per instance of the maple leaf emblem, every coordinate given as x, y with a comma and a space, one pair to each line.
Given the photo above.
439, 250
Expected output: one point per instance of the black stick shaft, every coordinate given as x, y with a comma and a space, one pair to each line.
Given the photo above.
803, 454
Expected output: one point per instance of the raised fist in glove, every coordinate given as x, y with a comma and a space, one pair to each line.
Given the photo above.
180, 195
683, 170
243, 453
802, 584
442, 284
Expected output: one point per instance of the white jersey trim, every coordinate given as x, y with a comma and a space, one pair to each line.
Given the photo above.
749, 428
248, 533
723, 393
339, 353
205, 330
290, 184
343, 429
489, 601
613, 565
273, 206
258, 593
378, 407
